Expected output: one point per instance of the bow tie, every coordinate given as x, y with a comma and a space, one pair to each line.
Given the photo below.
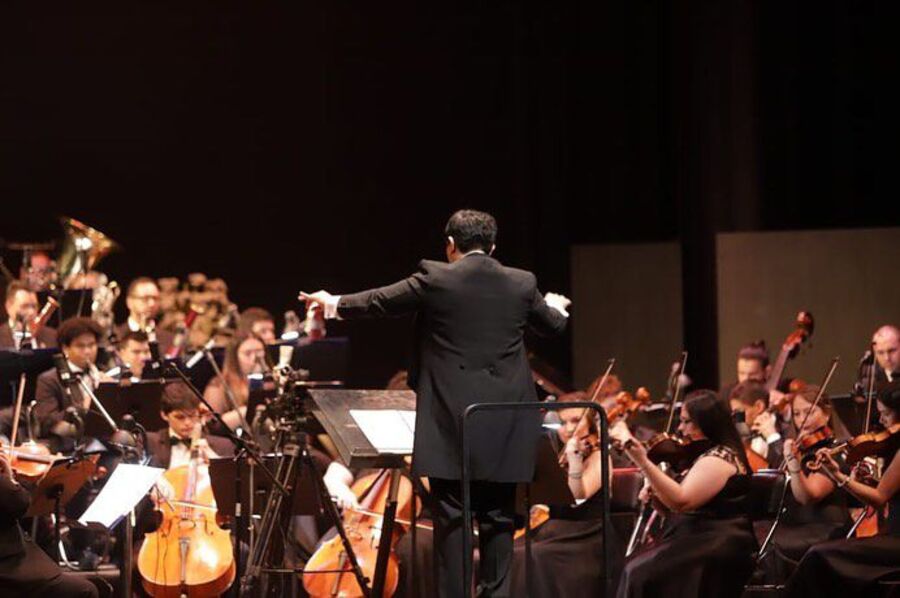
175, 441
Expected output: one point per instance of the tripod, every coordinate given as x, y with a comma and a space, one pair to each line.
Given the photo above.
293, 453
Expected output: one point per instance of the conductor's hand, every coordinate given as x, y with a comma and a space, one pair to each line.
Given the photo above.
320, 298
558, 302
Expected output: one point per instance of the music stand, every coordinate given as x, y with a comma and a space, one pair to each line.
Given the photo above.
141, 400
30, 362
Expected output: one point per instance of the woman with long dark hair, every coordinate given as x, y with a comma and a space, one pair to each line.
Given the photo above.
854, 566
707, 548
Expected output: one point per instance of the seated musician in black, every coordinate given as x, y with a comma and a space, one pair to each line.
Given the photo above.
752, 399
170, 447
132, 354
79, 339
707, 548
853, 567
571, 539
25, 568
814, 511
21, 309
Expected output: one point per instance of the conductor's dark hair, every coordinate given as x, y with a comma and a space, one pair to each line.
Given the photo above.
889, 396
713, 416
75, 327
472, 230
178, 397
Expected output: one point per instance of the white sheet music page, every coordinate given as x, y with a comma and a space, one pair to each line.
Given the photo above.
388, 430
127, 485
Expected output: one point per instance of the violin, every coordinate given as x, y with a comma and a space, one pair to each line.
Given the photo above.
677, 451
624, 405
30, 460
873, 444
189, 554
328, 572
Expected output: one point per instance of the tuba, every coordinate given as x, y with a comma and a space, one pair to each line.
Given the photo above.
83, 247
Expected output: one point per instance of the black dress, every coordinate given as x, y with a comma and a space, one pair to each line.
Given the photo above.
707, 552
567, 554
803, 526
851, 567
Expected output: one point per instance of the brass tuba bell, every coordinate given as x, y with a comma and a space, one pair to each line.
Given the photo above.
83, 247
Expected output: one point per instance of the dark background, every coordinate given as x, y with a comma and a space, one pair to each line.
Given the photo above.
289, 146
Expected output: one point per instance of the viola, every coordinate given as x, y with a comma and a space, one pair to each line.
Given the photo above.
328, 572
624, 405
873, 444
189, 554
677, 451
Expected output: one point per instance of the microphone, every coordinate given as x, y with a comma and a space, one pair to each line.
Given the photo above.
196, 357
72, 416
867, 358
64, 373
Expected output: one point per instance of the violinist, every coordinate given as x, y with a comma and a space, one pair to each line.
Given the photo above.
571, 540
752, 400
25, 568
814, 511
244, 355
854, 566
706, 550
21, 309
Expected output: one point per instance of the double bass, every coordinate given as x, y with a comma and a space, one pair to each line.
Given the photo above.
188, 554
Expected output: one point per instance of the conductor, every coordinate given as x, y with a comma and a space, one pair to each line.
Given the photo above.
472, 313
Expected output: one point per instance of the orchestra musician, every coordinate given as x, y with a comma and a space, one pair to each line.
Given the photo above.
707, 550
469, 347
143, 301
259, 322
133, 351
752, 399
886, 347
814, 512
21, 308
571, 539
24, 567
854, 566
244, 355
171, 446
79, 339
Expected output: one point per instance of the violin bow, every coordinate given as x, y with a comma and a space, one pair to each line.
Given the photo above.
610, 364
815, 403
677, 391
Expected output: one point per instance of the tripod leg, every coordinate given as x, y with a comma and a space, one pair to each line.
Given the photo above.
334, 517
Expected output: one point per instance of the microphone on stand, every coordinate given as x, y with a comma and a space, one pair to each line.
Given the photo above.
200, 354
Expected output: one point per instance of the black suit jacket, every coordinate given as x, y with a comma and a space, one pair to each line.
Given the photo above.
469, 348
46, 337
52, 400
160, 450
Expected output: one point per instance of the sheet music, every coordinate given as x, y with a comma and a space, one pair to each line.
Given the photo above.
127, 485
388, 430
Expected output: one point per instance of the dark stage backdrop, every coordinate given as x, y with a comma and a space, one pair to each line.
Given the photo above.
304, 145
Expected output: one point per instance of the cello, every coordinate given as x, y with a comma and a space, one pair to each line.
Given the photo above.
189, 554
328, 572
